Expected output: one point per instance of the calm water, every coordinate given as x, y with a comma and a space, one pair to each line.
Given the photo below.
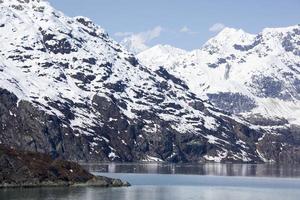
214, 169
184, 182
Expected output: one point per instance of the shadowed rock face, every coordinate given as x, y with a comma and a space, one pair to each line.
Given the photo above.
26, 127
269, 87
27, 169
232, 102
282, 148
290, 44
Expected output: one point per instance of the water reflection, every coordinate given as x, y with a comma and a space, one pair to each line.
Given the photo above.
260, 170
149, 193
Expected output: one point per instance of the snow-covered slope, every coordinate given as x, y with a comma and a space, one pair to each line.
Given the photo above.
257, 76
68, 89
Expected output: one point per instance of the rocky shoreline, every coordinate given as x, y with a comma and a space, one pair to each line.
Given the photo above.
28, 169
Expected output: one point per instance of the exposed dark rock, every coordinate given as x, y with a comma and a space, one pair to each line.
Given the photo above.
85, 22
218, 63
90, 27
257, 41
56, 46
91, 61
18, 7
198, 105
281, 148
166, 75
258, 119
267, 86
133, 61
107, 107
290, 44
86, 79
232, 102
119, 86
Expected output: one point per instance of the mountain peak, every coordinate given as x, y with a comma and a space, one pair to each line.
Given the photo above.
164, 48
225, 40
22, 4
230, 30
232, 34
35, 10
160, 53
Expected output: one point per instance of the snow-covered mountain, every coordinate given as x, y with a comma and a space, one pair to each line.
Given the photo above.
67, 89
257, 76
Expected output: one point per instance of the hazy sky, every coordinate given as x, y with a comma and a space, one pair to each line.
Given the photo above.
185, 24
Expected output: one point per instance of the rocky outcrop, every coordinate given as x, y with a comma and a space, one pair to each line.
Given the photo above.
281, 148
27, 169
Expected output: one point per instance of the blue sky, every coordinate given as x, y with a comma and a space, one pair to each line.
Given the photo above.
185, 24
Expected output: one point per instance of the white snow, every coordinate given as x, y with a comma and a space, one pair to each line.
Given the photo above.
210, 123
152, 159
221, 155
112, 155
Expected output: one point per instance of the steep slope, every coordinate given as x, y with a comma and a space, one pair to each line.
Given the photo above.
69, 90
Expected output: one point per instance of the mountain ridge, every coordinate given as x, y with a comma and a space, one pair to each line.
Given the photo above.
68, 89
241, 58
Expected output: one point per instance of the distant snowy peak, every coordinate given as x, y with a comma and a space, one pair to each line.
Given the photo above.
225, 40
167, 49
270, 42
230, 40
230, 43
160, 54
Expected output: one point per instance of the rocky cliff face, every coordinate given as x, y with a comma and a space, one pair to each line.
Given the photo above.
69, 90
